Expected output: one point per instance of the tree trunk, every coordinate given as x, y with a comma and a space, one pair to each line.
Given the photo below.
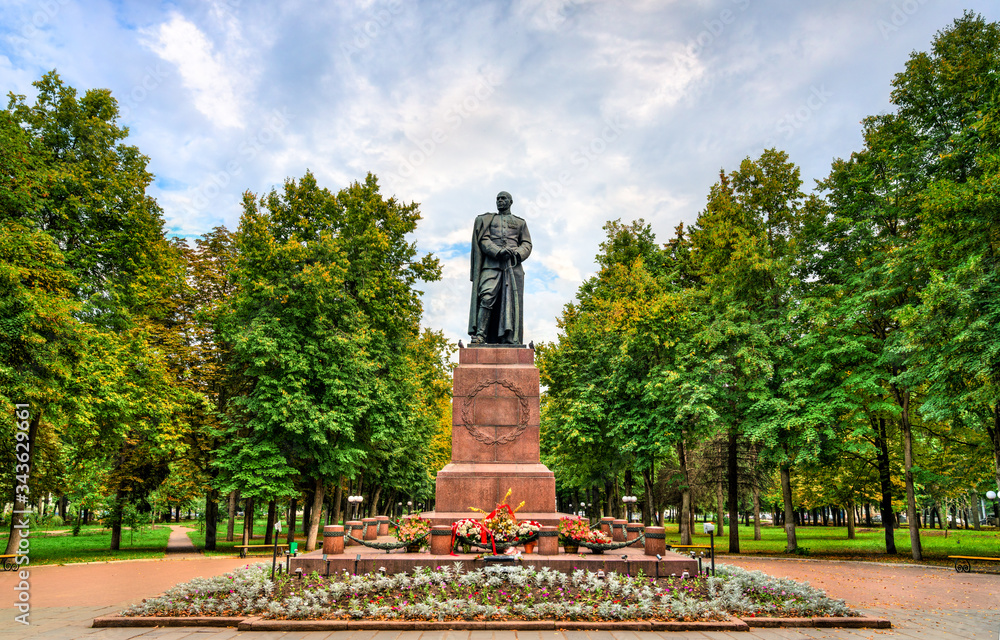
338, 497
850, 520
292, 509
885, 482
647, 504
789, 517
903, 399
272, 508
734, 492
116, 520
686, 522
234, 500
307, 513
720, 509
373, 507
315, 515
24, 457
756, 511
994, 435
211, 518
248, 521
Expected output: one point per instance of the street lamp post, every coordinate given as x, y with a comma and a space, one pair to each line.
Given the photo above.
355, 504
409, 505
992, 495
710, 530
629, 501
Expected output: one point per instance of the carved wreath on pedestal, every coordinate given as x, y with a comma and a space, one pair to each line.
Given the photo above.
468, 415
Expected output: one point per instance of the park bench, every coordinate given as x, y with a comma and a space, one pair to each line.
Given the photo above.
265, 548
687, 547
963, 564
8, 561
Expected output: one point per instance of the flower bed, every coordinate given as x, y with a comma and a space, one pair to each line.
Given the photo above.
521, 593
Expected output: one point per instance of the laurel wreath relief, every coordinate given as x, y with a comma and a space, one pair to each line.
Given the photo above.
468, 418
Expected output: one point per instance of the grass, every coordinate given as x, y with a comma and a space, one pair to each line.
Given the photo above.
832, 543
92, 545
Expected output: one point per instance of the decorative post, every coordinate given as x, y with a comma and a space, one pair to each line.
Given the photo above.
606, 522
353, 529
656, 541
333, 540
632, 532
618, 531
370, 528
548, 541
383, 525
440, 540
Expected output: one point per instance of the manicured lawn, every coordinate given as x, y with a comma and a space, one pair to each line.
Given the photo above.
92, 546
832, 542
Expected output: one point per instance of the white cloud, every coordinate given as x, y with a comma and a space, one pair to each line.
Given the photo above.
212, 83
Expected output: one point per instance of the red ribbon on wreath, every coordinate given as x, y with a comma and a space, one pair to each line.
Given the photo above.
484, 533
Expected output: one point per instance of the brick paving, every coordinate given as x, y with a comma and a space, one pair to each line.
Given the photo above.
923, 603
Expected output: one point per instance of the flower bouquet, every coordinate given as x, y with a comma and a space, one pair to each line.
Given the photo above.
498, 529
573, 531
413, 531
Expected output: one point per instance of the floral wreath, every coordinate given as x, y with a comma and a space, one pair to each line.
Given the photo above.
500, 525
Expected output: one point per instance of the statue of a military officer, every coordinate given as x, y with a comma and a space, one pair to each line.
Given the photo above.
500, 243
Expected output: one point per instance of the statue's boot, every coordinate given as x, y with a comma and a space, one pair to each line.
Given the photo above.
482, 321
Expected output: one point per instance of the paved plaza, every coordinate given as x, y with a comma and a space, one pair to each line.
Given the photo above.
924, 603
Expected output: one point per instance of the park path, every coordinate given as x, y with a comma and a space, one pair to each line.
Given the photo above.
179, 544
928, 603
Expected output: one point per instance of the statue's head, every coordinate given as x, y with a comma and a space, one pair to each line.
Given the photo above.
504, 200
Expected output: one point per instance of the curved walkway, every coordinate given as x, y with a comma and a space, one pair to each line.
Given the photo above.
930, 603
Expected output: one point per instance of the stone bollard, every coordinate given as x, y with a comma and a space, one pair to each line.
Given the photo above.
440, 540
352, 528
606, 524
656, 541
333, 539
548, 541
618, 531
383, 525
632, 532
369, 528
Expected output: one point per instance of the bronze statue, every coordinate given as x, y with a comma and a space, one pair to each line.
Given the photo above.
500, 243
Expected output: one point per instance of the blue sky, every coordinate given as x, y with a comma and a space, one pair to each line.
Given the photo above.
583, 111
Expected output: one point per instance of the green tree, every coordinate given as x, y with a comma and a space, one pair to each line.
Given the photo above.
325, 311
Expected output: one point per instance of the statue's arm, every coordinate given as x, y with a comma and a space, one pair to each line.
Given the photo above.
524, 244
489, 247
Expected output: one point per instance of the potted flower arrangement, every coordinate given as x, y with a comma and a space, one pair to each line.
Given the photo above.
573, 531
413, 531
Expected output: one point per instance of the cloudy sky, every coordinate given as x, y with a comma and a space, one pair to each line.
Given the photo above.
584, 110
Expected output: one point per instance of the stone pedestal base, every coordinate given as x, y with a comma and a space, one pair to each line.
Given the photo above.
462, 485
